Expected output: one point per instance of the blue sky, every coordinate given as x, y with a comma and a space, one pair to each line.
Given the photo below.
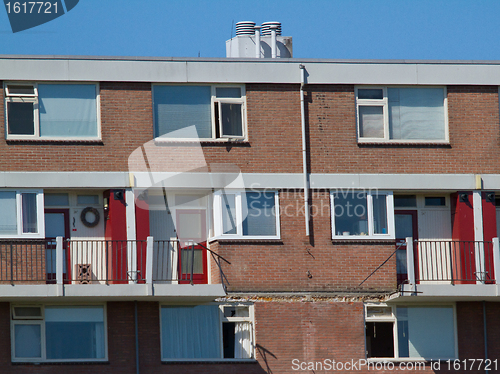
337, 29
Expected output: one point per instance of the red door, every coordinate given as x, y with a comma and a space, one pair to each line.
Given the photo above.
56, 224
192, 234
406, 226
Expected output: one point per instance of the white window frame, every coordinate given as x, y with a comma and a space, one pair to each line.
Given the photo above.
41, 321
216, 122
36, 115
218, 222
384, 102
393, 319
250, 319
40, 234
369, 206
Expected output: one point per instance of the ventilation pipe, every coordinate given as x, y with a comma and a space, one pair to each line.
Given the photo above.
304, 148
257, 41
273, 41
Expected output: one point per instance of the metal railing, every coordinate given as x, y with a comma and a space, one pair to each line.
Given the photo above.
25, 261
175, 264
452, 261
106, 262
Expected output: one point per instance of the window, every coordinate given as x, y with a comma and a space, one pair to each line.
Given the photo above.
199, 112
22, 214
435, 201
52, 111
58, 333
401, 114
362, 215
207, 332
404, 332
249, 215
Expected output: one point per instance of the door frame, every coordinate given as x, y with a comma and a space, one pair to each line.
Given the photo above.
401, 278
67, 275
200, 244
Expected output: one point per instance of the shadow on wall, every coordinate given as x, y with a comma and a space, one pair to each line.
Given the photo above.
266, 355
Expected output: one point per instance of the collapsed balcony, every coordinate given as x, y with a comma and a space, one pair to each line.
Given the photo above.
151, 267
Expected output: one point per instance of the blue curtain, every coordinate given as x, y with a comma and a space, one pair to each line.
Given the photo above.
190, 332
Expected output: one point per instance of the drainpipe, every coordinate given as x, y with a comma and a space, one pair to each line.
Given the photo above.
273, 40
485, 335
257, 41
136, 339
304, 150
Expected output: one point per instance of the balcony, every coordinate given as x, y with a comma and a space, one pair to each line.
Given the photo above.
101, 268
453, 269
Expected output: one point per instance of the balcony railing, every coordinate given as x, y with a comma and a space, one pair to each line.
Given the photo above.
105, 262
452, 262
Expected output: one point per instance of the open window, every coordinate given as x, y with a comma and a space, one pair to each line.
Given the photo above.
401, 114
51, 111
207, 332
214, 112
410, 332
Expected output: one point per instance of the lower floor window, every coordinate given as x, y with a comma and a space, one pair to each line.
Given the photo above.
426, 332
206, 332
58, 333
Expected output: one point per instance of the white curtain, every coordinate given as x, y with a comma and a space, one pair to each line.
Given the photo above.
179, 107
416, 113
68, 110
242, 340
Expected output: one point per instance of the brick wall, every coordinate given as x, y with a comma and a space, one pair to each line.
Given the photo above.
297, 263
274, 132
473, 127
126, 122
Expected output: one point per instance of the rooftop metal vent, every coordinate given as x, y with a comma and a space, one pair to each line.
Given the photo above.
266, 28
245, 28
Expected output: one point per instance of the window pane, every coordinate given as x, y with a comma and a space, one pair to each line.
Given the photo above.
21, 90
259, 214
190, 332
56, 199
379, 339
228, 214
178, 107
21, 118
416, 113
431, 332
401, 201
228, 92
371, 93
236, 311
29, 213
187, 261
68, 110
351, 213
8, 218
27, 341
27, 311
379, 214
231, 120
371, 121
87, 199
435, 201
74, 332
